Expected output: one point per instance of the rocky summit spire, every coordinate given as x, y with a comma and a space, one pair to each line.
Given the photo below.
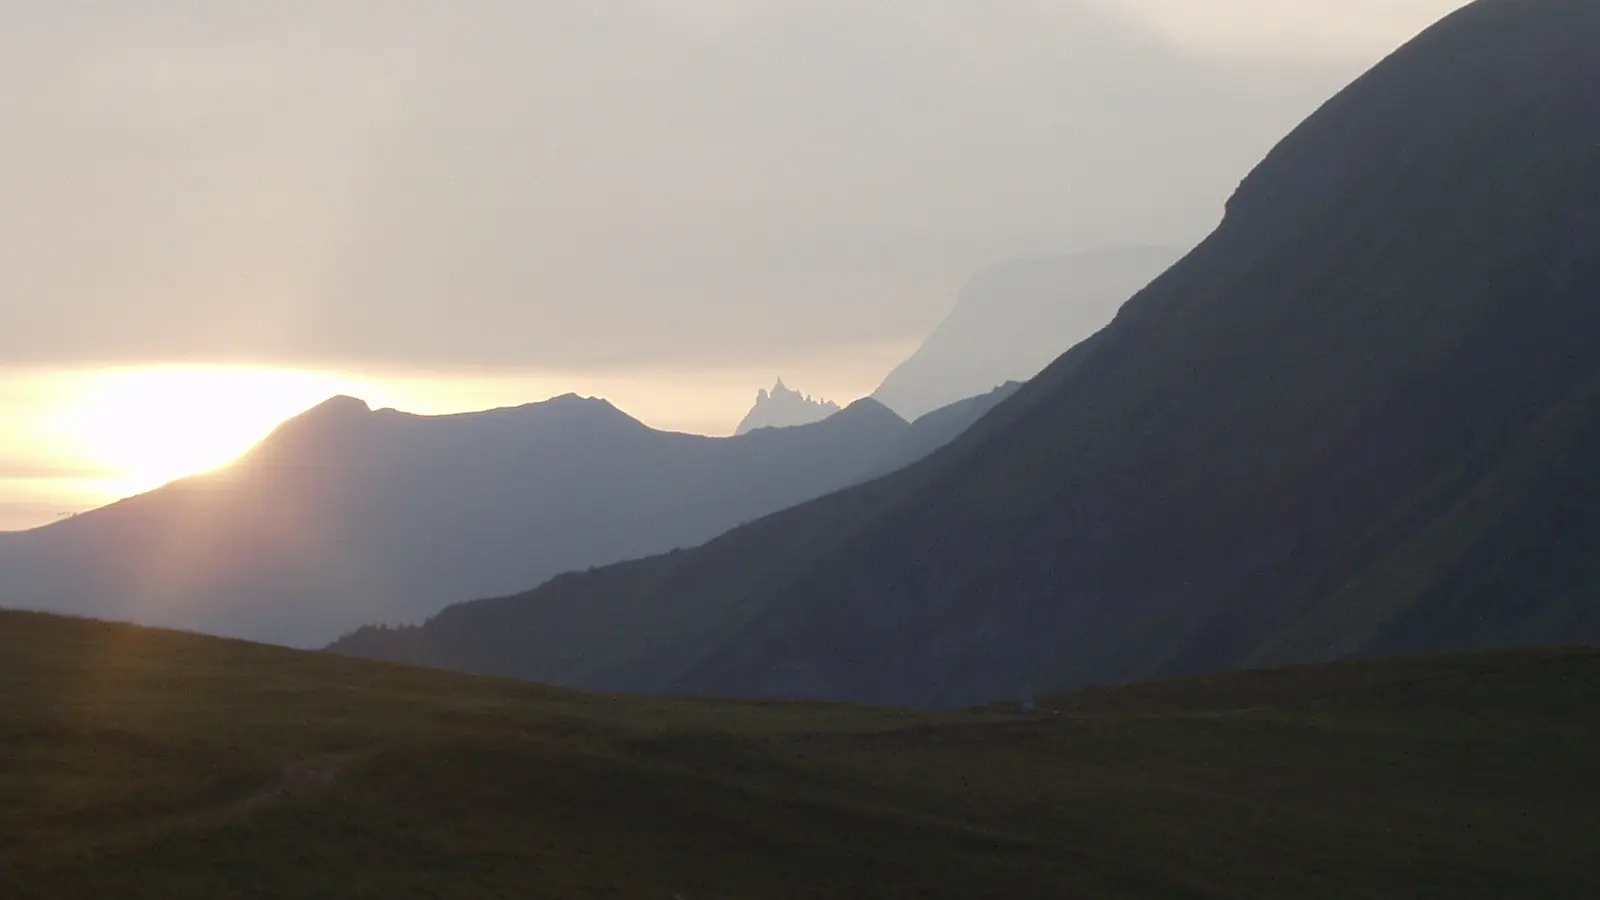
784, 407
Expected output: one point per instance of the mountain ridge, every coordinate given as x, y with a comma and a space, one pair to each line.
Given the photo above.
346, 515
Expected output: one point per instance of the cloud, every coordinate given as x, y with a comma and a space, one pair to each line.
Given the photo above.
585, 185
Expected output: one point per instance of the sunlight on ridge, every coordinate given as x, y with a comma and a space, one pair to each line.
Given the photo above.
74, 439
146, 427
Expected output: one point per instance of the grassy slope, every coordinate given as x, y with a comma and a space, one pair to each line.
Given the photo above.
139, 763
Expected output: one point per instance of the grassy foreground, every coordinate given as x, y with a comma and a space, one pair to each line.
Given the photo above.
136, 763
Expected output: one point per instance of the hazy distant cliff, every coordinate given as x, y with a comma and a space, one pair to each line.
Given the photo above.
1013, 319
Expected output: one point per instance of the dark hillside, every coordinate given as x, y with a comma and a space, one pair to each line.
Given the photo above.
140, 764
1339, 427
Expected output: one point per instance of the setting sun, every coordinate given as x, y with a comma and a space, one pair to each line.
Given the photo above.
146, 427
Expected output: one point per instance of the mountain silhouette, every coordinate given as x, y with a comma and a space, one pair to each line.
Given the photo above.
564, 633
1014, 319
1361, 418
940, 427
346, 516
785, 408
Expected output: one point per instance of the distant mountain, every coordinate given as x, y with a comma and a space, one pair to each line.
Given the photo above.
785, 408
346, 516
559, 636
1362, 418
1014, 319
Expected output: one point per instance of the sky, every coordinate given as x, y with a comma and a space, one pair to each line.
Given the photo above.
668, 202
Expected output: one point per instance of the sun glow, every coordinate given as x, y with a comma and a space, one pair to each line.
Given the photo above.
74, 439
146, 427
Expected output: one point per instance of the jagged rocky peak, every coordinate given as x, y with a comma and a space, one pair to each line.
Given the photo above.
783, 407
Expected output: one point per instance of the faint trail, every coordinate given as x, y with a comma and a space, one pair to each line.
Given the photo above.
297, 778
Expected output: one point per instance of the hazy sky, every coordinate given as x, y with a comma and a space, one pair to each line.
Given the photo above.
569, 185
666, 202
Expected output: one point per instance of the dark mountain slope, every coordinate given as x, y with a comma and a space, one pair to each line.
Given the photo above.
1353, 403
1361, 418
